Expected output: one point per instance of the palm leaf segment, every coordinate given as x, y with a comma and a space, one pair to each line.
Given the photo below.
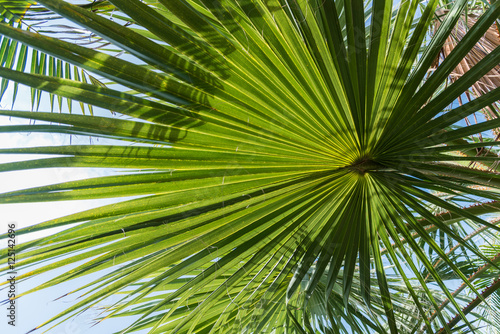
287, 147
486, 44
30, 16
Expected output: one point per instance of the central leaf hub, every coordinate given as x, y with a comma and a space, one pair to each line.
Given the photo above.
364, 165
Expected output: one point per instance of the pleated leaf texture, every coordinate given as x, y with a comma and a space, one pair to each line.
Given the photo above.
296, 168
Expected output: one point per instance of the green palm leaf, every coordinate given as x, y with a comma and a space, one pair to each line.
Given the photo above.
29, 16
292, 156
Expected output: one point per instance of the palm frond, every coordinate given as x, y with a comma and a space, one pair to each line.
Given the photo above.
290, 166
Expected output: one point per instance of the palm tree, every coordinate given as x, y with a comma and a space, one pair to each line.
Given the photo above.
299, 167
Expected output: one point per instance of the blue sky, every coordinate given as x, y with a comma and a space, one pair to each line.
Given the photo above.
34, 309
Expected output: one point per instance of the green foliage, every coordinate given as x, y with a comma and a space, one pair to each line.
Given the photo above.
303, 166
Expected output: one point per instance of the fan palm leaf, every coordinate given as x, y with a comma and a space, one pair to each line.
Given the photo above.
288, 152
487, 43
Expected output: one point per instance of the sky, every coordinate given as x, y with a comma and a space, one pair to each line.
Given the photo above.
35, 308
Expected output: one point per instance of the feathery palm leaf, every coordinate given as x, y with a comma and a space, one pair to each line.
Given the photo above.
290, 151
27, 15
